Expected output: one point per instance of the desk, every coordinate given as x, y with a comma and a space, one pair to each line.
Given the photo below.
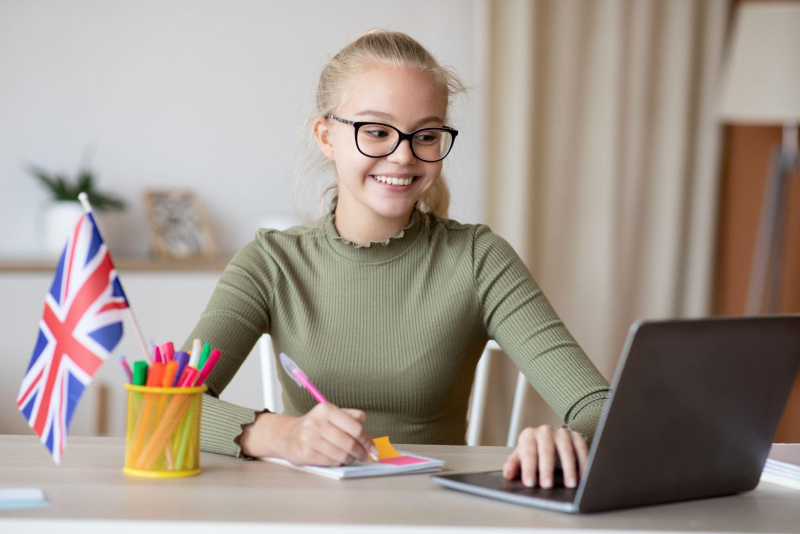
89, 493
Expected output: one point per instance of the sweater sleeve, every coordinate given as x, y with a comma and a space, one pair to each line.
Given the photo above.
236, 316
520, 318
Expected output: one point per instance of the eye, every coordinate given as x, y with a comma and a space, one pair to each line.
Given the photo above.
427, 137
375, 132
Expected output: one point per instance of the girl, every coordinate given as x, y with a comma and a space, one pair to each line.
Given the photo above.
385, 303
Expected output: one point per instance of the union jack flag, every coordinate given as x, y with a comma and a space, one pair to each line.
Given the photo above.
80, 326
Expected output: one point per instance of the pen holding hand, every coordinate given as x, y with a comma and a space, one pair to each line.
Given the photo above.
297, 374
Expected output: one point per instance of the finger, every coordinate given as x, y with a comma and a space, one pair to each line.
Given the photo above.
511, 467
351, 422
566, 454
547, 455
528, 456
332, 453
358, 415
581, 451
346, 450
365, 439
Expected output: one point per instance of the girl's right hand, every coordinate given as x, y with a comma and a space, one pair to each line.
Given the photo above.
326, 435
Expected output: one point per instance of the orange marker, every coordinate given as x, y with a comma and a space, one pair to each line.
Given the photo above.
170, 370
155, 376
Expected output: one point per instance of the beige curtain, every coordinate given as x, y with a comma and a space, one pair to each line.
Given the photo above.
602, 161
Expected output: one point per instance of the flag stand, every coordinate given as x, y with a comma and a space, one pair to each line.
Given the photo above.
84, 199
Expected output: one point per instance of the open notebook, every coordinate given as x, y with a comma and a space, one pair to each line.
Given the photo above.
390, 462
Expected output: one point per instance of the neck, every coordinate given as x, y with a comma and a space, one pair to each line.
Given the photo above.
363, 226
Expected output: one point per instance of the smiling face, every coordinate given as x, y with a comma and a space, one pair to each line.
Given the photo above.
377, 195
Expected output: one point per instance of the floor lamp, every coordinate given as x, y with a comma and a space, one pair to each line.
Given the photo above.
761, 85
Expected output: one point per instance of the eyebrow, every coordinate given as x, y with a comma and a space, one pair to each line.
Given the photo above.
390, 117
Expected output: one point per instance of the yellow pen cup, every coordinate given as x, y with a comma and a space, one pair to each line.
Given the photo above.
162, 438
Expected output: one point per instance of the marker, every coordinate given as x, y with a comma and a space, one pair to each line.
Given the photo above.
126, 369
139, 373
157, 355
167, 350
170, 373
196, 350
183, 360
204, 355
155, 376
212, 360
297, 374
150, 346
188, 377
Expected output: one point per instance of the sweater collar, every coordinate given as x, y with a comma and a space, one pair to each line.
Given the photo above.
375, 251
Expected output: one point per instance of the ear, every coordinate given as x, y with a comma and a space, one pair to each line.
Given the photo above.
322, 134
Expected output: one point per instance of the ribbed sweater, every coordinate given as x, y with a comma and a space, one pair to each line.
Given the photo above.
394, 328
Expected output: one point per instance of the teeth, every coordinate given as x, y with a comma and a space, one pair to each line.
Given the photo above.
393, 181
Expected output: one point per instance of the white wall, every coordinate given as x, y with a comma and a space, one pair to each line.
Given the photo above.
201, 94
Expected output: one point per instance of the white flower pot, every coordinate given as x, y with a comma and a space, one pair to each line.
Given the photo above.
59, 219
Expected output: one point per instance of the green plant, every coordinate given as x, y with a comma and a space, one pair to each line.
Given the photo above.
65, 188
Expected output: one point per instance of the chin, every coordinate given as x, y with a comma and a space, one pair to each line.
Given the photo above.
394, 210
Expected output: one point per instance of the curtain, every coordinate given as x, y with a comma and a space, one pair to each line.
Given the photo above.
602, 159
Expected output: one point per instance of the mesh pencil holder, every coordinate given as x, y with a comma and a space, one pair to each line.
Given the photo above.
162, 439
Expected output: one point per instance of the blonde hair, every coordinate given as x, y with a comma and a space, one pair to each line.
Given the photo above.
341, 73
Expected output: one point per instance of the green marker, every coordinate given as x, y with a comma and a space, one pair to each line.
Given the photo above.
139, 373
204, 355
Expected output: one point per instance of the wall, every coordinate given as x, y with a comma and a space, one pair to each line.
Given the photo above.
208, 95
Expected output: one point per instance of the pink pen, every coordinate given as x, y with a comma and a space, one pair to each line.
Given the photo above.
297, 374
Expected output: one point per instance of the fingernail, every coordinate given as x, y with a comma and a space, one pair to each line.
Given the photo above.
571, 483
546, 483
529, 482
373, 453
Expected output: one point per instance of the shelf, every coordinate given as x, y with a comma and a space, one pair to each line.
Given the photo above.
33, 265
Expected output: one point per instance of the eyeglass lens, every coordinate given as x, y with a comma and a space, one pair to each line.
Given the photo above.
429, 144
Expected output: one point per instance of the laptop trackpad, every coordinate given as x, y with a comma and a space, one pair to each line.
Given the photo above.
494, 480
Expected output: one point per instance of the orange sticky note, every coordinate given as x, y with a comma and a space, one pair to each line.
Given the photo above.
385, 449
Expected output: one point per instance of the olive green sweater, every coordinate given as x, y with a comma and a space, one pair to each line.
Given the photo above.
394, 328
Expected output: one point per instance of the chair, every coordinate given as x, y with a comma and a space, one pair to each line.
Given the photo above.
477, 406
272, 391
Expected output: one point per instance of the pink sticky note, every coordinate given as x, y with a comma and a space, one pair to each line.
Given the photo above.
401, 460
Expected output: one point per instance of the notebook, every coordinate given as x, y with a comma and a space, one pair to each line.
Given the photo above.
390, 462
694, 407
779, 469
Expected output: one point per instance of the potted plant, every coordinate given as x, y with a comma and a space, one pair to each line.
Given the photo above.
64, 209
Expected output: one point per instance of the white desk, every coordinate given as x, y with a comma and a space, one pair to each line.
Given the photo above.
89, 494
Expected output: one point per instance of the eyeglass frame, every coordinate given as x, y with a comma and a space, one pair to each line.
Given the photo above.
403, 136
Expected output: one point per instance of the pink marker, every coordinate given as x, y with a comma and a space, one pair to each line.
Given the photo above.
300, 377
207, 367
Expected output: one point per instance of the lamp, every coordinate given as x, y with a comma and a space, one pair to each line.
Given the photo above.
761, 85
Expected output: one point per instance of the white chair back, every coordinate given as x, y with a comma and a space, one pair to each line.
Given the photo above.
477, 407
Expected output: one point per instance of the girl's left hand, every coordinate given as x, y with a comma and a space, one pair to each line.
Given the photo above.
536, 454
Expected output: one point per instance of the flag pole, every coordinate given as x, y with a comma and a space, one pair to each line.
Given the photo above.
84, 199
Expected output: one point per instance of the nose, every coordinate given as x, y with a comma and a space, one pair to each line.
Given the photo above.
402, 154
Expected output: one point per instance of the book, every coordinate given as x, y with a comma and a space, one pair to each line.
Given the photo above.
390, 462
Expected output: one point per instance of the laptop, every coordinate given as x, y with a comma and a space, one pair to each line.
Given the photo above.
694, 407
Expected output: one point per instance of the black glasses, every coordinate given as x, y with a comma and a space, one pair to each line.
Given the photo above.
377, 140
